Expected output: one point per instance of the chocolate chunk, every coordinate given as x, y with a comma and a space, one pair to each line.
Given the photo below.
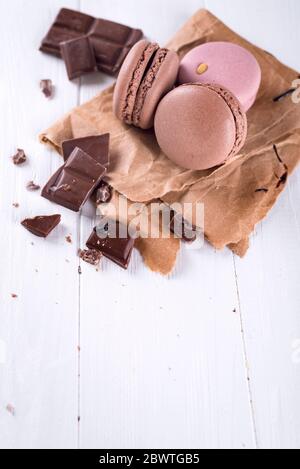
182, 228
74, 182
91, 256
41, 226
31, 186
111, 41
47, 88
116, 248
19, 158
104, 193
95, 146
79, 57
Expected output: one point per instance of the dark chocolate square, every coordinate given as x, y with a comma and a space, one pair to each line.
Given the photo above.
79, 57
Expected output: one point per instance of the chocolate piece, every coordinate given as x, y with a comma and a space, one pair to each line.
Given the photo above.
79, 57
72, 184
95, 146
182, 228
91, 256
114, 247
41, 226
31, 186
111, 41
104, 193
47, 88
19, 158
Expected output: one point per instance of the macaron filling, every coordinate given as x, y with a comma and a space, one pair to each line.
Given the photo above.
147, 83
137, 78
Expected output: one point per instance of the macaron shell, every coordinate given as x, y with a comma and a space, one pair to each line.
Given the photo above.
130, 78
229, 65
158, 81
196, 128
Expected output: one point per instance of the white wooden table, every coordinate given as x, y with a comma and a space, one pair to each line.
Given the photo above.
209, 358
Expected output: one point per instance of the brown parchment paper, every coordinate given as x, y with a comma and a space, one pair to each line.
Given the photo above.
237, 195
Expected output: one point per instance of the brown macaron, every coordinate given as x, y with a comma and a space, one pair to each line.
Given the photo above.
147, 75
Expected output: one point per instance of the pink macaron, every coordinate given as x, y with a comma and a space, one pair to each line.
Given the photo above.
200, 126
148, 73
225, 64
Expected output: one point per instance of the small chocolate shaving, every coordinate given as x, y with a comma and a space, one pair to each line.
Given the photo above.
19, 158
282, 180
69, 239
262, 190
47, 88
90, 256
31, 186
14, 296
16, 205
285, 94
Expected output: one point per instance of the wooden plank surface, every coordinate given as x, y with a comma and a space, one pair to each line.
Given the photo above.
208, 358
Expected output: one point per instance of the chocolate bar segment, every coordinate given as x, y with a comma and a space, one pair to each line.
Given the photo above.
73, 184
95, 146
41, 226
113, 247
79, 57
68, 25
111, 41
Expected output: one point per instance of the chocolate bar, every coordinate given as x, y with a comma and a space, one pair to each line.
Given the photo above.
95, 146
111, 41
182, 228
74, 182
41, 226
114, 247
79, 57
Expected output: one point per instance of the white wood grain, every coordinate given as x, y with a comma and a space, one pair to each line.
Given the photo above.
39, 328
162, 363
205, 359
268, 278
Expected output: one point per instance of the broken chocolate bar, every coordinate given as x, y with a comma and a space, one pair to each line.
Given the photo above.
104, 193
19, 158
111, 41
79, 57
95, 146
90, 256
116, 248
72, 185
41, 226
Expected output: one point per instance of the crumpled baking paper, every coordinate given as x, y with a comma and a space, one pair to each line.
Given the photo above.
237, 195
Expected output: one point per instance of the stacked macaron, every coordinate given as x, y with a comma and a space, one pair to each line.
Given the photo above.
201, 123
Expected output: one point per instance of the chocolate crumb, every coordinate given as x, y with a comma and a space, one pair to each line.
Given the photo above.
47, 88
69, 239
31, 186
16, 205
19, 158
78, 418
90, 256
79, 270
10, 408
13, 295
